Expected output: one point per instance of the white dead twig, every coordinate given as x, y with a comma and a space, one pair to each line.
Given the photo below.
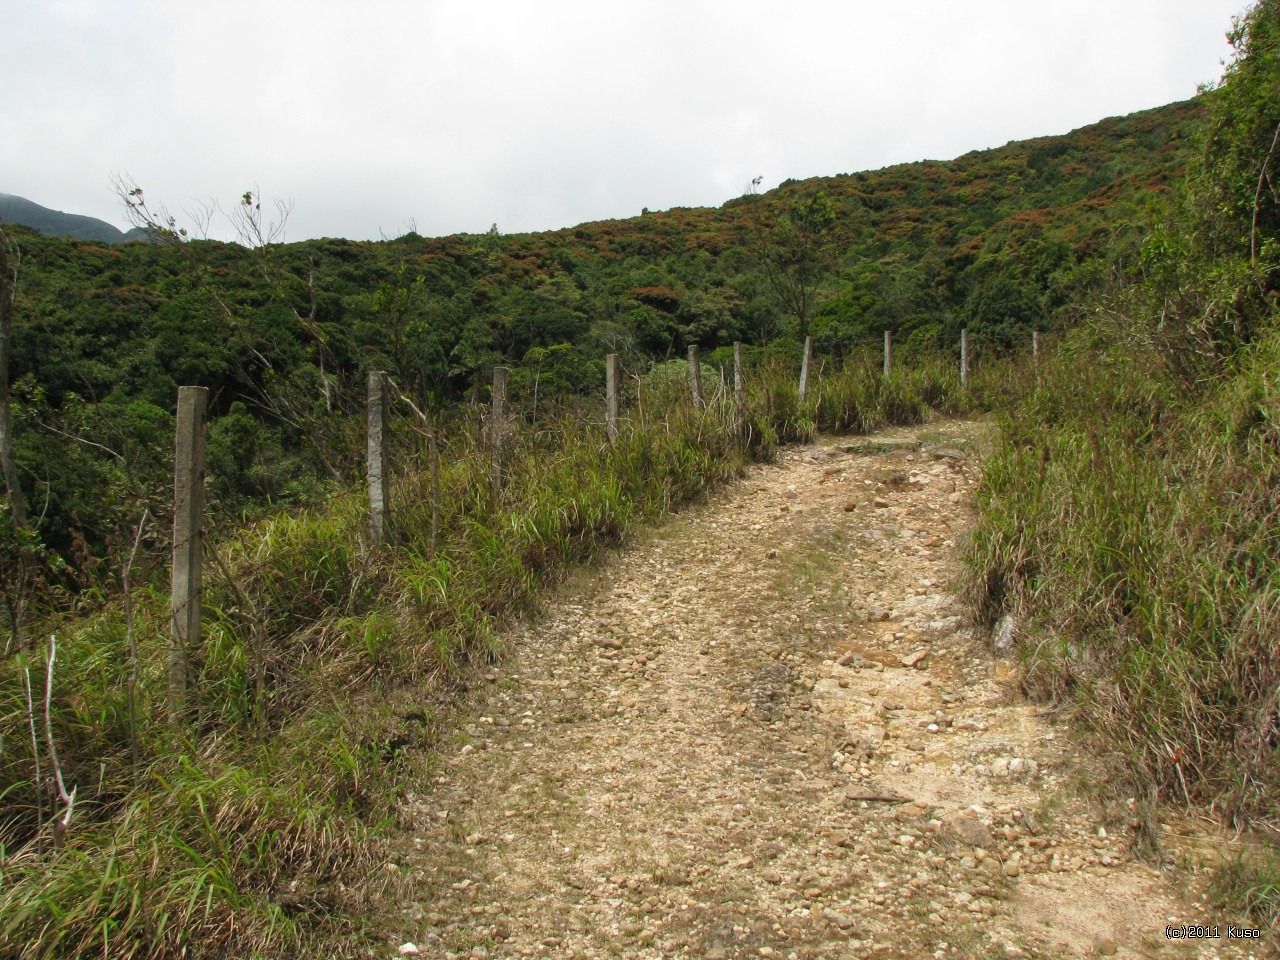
69, 799
35, 753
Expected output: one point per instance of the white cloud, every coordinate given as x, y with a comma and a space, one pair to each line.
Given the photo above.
455, 114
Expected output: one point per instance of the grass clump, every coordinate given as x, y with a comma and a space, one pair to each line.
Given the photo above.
1133, 527
1250, 882
1139, 527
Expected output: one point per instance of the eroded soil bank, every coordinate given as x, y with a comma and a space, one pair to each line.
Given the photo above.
768, 730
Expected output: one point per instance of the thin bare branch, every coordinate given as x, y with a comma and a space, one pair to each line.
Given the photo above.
400, 394
10, 261
81, 440
68, 799
1263, 178
254, 622
35, 751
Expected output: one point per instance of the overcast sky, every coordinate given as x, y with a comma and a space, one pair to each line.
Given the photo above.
377, 115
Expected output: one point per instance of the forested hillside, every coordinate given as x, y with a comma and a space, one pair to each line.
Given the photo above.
998, 241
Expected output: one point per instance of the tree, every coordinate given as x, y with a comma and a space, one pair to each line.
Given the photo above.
798, 252
263, 238
10, 259
1238, 170
1004, 311
1212, 265
305, 398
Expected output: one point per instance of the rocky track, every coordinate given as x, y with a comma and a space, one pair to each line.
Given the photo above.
768, 730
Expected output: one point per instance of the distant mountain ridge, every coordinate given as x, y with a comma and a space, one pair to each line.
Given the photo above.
55, 223
1060, 184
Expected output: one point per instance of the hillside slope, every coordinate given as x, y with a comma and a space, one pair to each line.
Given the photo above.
998, 241
55, 223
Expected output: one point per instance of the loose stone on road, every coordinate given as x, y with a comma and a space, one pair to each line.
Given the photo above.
768, 729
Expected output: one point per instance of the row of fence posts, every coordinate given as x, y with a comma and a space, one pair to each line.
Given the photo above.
189, 470
807, 360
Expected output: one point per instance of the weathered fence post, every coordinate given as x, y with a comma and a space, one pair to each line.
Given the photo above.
739, 386
433, 446
1035, 345
695, 377
611, 396
498, 426
888, 351
804, 367
964, 357
379, 476
188, 541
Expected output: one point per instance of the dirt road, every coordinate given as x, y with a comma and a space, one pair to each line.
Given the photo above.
768, 730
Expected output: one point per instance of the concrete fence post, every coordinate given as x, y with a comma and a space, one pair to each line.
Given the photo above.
611, 379
964, 357
695, 377
888, 351
188, 541
805, 362
739, 385
498, 426
1035, 345
378, 474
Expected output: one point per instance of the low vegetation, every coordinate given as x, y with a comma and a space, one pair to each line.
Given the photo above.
256, 827
282, 334
1130, 516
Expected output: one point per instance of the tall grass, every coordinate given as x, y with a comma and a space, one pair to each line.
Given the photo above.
253, 829
1137, 526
